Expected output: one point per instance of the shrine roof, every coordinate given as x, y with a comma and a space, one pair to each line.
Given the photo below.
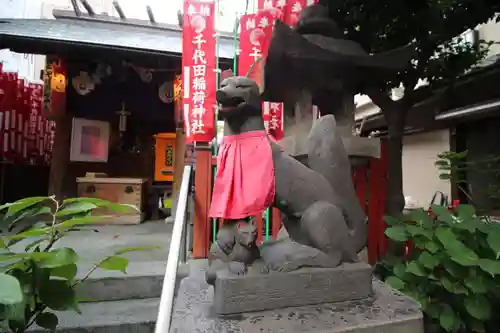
49, 36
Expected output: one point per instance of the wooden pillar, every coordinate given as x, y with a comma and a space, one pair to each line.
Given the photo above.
202, 196
60, 156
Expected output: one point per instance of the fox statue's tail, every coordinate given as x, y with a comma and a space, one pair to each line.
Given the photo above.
327, 156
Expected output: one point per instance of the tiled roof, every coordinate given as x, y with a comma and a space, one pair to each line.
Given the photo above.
19, 34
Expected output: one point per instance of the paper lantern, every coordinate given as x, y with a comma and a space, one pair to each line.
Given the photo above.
55, 81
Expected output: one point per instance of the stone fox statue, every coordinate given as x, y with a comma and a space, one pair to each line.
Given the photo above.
319, 203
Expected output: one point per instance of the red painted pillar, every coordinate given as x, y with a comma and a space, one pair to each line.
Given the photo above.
202, 196
382, 200
373, 211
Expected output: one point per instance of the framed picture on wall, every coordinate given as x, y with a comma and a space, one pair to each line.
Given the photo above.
89, 140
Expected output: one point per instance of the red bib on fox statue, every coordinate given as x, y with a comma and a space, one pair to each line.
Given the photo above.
244, 183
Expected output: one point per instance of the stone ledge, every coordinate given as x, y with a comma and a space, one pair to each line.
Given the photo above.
258, 292
385, 311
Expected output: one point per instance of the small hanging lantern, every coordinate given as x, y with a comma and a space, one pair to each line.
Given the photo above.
178, 88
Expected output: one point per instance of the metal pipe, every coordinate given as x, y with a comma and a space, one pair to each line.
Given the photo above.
150, 14
467, 110
76, 9
167, 293
119, 10
88, 7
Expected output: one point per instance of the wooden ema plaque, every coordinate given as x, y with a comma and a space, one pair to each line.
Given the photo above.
164, 157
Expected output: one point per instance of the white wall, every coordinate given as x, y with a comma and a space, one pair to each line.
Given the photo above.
420, 175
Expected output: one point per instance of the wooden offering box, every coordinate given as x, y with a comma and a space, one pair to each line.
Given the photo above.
131, 191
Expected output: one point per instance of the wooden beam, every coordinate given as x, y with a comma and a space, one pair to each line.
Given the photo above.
60, 156
202, 196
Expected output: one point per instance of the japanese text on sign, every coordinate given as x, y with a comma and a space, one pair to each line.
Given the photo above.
199, 71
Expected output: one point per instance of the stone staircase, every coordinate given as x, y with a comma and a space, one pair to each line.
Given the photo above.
117, 303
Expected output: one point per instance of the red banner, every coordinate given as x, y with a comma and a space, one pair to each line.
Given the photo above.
255, 36
198, 69
293, 9
273, 119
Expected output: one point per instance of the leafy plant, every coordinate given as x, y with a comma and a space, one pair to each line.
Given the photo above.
454, 270
42, 279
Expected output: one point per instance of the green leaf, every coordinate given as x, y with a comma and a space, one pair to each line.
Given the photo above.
416, 230
444, 176
421, 217
47, 320
476, 284
458, 251
137, 249
58, 295
6, 205
397, 233
77, 221
391, 220
395, 282
432, 247
29, 255
75, 208
454, 269
114, 263
400, 270
491, 267
433, 311
447, 319
34, 232
10, 290
465, 212
415, 269
493, 240
443, 214
446, 236
447, 284
67, 272
102, 204
23, 204
478, 306
428, 260
59, 257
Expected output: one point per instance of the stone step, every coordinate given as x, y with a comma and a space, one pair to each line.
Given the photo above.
127, 316
143, 280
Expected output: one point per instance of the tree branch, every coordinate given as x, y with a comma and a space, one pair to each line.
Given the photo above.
381, 99
417, 95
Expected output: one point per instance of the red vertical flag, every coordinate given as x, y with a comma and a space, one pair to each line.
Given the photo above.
255, 36
198, 69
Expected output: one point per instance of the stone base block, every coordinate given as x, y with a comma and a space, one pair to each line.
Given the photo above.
257, 292
385, 311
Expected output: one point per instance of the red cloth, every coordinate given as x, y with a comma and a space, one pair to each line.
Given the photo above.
244, 183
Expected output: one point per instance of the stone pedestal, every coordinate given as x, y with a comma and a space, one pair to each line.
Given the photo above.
385, 311
257, 292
